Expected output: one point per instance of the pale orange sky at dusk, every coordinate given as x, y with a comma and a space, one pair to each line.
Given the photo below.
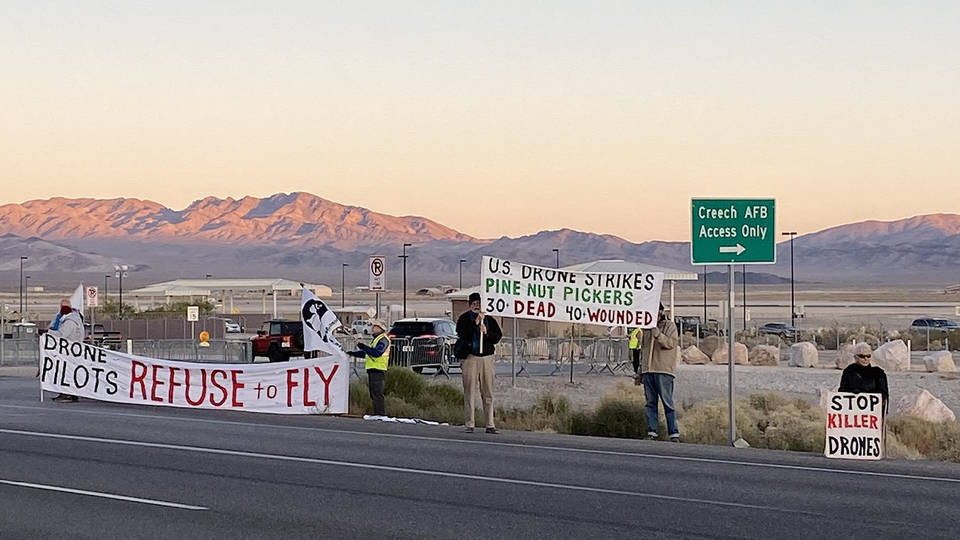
495, 118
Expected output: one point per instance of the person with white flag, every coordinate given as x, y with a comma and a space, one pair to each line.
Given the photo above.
319, 323
376, 362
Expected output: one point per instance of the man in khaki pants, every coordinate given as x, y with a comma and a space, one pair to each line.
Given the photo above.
476, 336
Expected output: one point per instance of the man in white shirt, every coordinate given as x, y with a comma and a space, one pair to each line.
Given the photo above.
68, 324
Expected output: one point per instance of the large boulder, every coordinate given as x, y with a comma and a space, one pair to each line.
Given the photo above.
804, 354
693, 355
940, 361
710, 344
845, 356
765, 355
925, 405
740, 356
892, 356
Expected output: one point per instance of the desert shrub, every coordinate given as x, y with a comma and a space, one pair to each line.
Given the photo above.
551, 404
444, 395
360, 402
613, 418
399, 408
404, 384
914, 433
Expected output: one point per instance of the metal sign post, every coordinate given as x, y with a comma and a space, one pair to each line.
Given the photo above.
193, 315
378, 278
732, 231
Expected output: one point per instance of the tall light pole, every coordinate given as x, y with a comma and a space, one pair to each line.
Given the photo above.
793, 314
343, 286
556, 251
26, 291
22, 258
461, 272
120, 272
105, 278
404, 257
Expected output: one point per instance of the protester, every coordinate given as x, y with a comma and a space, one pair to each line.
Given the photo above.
862, 377
635, 336
67, 324
657, 373
477, 335
377, 359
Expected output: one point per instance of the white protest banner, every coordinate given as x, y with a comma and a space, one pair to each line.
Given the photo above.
854, 426
317, 386
513, 289
319, 322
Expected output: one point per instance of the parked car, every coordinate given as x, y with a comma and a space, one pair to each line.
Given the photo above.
361, 327
783, 330
691, 323
424, 342
232, 327
935, 324
278, 340
102, 338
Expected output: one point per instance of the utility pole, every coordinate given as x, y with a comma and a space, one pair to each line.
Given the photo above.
22, 258
404, 257
793, 312
461, 272
343, 287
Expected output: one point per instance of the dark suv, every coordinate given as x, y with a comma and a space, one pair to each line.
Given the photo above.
935, 324
278, 340
423, 342
783, 330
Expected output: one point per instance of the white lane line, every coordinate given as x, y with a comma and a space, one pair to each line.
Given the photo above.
718, 461
371, 466
102, 495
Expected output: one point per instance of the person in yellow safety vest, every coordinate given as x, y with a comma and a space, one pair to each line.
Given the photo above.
635, 336
376, 360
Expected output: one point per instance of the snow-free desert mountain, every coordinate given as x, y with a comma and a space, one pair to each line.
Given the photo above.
300, 234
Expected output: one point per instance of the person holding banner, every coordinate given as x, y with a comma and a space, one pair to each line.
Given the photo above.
861, 377
377, 359
477, 335
67, 324
658, 370
635, 336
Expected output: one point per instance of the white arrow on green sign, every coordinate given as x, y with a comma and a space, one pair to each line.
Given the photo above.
733, 231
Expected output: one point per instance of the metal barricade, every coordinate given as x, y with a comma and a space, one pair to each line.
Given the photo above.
188, 350
20, 352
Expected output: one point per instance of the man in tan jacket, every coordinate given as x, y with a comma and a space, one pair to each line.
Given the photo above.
658, 369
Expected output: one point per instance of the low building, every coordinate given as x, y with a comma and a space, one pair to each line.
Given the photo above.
225, 290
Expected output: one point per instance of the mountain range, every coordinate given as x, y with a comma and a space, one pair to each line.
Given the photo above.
303, 235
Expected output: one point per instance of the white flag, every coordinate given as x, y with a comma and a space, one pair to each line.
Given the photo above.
76, 300
319, 322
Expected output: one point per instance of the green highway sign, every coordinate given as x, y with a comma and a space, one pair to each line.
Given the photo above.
733, 231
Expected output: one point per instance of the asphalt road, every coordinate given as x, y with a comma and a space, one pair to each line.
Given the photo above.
98, 470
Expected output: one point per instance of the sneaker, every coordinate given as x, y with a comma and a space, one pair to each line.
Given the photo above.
492, 430
675, 437
468, 430
651, 436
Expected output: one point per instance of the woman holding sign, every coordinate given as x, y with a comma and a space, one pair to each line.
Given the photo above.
861, 377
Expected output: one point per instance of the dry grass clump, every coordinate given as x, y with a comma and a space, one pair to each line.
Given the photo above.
930, 440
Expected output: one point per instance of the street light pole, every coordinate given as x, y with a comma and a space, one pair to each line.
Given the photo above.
793, 314
26, 291
22, 258
461, 272
404, 257
105, 278
556, 251
120, 273
343, 287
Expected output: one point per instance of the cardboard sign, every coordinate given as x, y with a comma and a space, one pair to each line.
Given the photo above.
513, 289
316, 386
854, 426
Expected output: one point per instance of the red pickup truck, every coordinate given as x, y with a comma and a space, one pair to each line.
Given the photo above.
278, 340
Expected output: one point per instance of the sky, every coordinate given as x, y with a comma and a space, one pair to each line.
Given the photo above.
494, 118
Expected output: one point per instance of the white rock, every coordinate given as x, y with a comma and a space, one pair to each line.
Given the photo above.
925, 405
693, 355
740, 355
892, 356
823, 394
939, 361
710, 344
845, 356
765, 355
804, 354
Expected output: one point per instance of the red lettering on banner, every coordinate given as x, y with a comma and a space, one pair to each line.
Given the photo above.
173, 383
307, 402
213, 383
155, 384
135, 378
832, 420
236, 387
873, 422
290, 385
203, 388
326, 382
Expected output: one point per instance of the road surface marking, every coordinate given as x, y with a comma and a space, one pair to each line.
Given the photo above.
718, 461
390, 468
103, 495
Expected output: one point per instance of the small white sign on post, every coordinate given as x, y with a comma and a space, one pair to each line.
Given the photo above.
854, 426
91, 298
378, 273
193, 313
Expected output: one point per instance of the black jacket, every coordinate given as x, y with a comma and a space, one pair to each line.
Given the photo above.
865, 379
468, 335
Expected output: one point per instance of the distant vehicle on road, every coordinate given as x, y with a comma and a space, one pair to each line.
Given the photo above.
102, 338
691, 323
361, 327
783, 330
424, 342
278, 340
935, 324
231, 326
